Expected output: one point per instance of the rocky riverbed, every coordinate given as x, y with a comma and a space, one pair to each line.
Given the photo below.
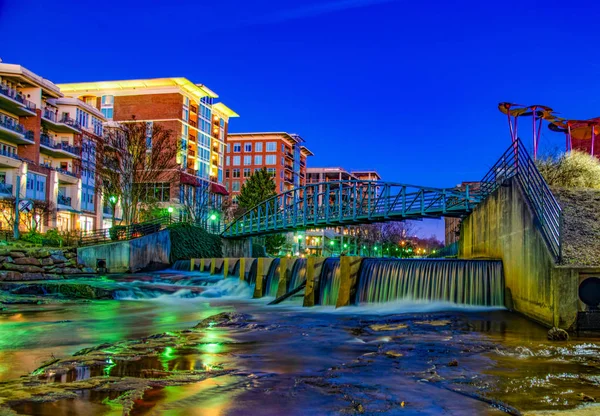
22, 264
287, 360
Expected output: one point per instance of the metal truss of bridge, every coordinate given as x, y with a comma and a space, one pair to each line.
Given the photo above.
339, 203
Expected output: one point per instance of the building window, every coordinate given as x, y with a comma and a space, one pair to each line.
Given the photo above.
282, 147
271, 171
159, 192
236, 173
235, 186
106, 106
271, 146
247, 147
271, 159
258, 160
237, 147
185, 114
247, 160
226, 173
282, 161
247, 172
227, 161
236, 161
258, 147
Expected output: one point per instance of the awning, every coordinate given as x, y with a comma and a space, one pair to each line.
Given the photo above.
187, 179
215, 188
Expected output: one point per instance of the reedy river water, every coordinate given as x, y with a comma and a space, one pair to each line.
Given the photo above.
395, 358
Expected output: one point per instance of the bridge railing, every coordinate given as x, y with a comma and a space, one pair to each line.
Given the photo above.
348, 202
124, 232
516, 163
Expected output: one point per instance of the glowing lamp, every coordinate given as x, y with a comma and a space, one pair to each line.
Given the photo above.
170, 209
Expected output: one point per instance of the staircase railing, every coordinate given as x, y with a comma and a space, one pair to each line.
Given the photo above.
124, 232
516, 163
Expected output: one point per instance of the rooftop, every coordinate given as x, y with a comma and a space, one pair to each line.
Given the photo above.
23, 75
195, 90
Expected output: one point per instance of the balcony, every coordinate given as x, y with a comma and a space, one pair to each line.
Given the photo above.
14, 102
64, 125
11, 130
6, 189
289, 155
58, 149
63, 200
288, 179
302, 164
289, 167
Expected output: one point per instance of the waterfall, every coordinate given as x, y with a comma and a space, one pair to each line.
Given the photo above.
469, 282
298, 274
272, 281
235, 270
329, 282
251, 278
182, 265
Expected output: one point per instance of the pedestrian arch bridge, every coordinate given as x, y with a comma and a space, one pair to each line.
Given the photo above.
350, 202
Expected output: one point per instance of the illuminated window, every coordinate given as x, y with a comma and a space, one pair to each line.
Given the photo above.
271, 146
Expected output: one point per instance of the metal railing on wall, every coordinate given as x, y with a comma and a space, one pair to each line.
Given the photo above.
124, 232
516, 163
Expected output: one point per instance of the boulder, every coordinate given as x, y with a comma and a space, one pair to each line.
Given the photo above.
10, 275
7, 259
33, 276
42, 254
70, 255
4, 252
27, 260
47, 261
58, 258
557, 334
52, 276
70, 270
72, 262
88, 270
15, 254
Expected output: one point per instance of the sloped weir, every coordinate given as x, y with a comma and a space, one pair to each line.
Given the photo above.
329, 282
467, 282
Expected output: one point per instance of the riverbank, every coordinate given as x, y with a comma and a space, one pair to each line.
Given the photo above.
290, 360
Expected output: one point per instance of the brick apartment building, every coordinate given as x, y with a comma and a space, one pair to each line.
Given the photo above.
282, 154
45, 152
188, 110
334, 240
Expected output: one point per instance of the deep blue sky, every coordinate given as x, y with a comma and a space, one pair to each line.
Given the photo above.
409, 88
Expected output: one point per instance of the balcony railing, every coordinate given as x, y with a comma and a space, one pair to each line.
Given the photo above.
49, 142
64, 200
50, 114
66, 172
289, 154
4, 152
11, 124
17, 96
6, 189
70, 122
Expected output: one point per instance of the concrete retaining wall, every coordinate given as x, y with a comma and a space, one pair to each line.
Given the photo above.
503, 227
129, 256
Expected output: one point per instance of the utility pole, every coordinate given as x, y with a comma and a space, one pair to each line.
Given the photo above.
17, 192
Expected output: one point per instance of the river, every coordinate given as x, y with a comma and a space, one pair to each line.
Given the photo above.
395, 358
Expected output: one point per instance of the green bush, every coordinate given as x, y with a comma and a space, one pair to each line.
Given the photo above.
190, 241
571, 170
116, 232
32, 237
52, 238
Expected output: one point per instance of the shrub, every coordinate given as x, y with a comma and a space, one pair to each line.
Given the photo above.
190, 241
116, 232
52, 238
32, 237
571, 170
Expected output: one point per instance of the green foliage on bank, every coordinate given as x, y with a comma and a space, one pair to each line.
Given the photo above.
571, 170
189, 241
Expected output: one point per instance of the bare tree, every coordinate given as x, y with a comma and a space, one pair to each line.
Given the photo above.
132, 156
41, 213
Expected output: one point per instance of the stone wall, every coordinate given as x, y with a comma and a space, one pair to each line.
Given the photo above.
39, 264
503, 227
129, 256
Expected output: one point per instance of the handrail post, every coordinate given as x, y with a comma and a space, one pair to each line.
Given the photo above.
467, 196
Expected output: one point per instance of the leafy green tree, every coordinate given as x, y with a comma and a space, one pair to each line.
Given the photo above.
260, 186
